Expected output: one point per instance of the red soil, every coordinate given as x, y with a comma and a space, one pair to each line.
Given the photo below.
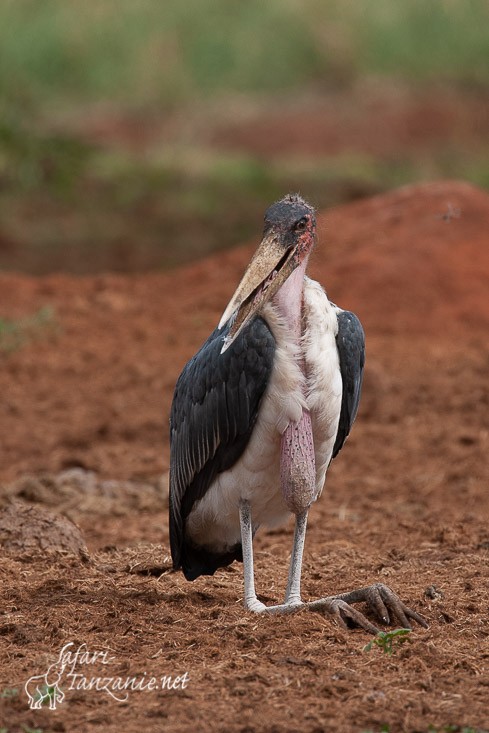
406, 502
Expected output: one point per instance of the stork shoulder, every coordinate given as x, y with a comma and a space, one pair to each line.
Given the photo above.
350, 342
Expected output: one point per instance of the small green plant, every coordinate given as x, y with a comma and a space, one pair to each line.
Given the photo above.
14, 333
388, 641
9, 692
49, 694
46, 694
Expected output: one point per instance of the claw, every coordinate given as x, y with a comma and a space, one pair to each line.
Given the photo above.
381, 601
382, 594
341, 611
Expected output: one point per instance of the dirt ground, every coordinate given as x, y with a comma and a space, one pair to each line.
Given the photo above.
85, 440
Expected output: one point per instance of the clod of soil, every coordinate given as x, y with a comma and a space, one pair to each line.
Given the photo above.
36, 532
77, 492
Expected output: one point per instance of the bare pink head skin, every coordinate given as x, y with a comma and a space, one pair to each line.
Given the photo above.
276, 273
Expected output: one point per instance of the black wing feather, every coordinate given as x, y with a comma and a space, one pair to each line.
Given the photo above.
350, 342
214, 409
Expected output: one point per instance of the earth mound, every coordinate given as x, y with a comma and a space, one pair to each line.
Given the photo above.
35, 531
412, 261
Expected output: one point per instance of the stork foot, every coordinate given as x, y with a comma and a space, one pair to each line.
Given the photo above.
381, 601
253, 604
258, 607
343, 613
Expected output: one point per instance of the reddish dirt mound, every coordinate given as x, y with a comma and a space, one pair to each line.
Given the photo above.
28, 531
406, 502
415, 261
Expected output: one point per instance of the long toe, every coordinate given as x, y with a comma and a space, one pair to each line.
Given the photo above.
343, 613
381, 601
383, 597
385, 605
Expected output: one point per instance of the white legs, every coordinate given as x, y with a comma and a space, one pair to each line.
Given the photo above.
250, 600
380, 600
293, 594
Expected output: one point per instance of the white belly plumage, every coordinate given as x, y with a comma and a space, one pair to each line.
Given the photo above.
214, 519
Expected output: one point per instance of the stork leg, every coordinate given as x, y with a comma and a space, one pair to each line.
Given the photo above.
292, 597
381, 601
250, 600
293, 592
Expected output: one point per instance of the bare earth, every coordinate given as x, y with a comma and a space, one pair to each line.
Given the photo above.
84, 435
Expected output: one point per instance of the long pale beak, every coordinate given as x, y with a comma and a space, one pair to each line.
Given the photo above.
269, 268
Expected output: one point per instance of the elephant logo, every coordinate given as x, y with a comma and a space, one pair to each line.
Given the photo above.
43, 689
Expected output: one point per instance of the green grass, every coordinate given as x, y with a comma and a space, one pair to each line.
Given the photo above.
85, 208
423, 40
14, 333
146, 52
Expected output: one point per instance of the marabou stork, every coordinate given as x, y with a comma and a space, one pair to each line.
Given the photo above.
259, 413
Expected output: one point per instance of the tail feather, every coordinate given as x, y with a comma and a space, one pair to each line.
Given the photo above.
196, 561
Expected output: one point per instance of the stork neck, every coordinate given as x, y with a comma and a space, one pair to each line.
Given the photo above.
289, 300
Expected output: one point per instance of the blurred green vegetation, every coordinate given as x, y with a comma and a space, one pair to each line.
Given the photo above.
69, 199
144, 51
14, 333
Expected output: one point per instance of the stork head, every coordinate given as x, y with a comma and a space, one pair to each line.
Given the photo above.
289, 235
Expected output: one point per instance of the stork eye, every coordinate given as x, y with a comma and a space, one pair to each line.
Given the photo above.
300, 225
